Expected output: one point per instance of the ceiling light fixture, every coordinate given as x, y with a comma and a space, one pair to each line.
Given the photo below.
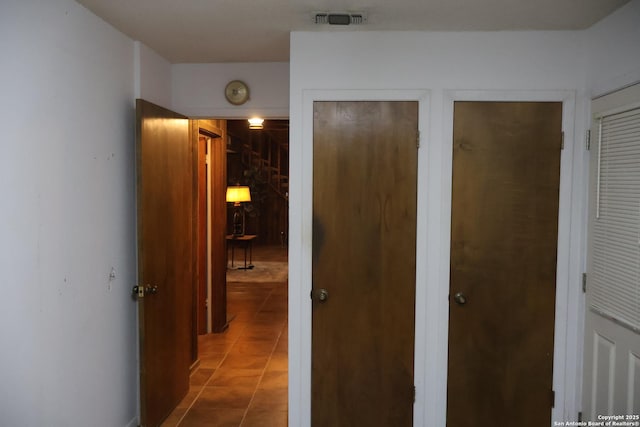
255, 123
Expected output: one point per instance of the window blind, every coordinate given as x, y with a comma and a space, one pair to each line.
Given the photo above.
615, 268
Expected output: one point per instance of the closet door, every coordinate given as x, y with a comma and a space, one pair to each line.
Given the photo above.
504, 238
612, 319
364, 262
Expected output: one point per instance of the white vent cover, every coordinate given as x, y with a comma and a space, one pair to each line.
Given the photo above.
340, 18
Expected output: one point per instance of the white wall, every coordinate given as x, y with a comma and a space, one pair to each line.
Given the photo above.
152, 76
614, 50
198, 89
67, 217
445, 66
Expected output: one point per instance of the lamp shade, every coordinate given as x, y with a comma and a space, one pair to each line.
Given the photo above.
238, 193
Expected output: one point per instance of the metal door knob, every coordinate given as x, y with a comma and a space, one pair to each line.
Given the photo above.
323, 295
459, 298
140, 291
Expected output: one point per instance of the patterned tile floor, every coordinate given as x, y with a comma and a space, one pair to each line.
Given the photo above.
242, 377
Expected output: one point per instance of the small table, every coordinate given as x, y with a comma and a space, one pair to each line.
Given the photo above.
246, 242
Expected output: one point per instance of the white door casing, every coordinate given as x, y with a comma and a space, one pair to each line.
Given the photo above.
432, 251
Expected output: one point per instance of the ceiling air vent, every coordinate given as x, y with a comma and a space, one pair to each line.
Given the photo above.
336, 18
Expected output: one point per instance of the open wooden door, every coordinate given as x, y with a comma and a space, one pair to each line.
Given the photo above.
165, 193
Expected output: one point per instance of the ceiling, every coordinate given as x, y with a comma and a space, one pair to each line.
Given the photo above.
211, 31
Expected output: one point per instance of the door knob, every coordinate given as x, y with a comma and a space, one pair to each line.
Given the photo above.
459, 298
323, 295
140, 291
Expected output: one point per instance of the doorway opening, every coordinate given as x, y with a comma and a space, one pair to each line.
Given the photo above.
240, 371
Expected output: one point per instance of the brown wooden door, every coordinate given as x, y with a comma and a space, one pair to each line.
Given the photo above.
504, 226
166, 256
364, 242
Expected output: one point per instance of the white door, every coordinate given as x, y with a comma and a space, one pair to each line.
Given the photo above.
612, 323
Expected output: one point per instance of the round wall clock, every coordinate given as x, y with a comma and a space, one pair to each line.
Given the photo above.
237, 92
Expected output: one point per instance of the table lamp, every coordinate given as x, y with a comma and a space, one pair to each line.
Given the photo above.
237, 194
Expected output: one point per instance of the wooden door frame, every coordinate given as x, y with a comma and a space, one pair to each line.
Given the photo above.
216, 314
432, 253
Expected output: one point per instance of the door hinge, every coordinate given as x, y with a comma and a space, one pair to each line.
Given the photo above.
580, 416
418, 140
588, 138
553, 398
562, 141
414, 394
584, 282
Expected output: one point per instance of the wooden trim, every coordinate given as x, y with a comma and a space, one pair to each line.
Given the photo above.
201, 237
193, 141
217, 131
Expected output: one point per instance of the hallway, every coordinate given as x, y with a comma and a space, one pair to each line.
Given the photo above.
242, 377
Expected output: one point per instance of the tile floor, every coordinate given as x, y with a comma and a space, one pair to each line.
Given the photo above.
242, 377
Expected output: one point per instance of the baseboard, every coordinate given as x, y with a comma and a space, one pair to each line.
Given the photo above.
194, 367
133, 422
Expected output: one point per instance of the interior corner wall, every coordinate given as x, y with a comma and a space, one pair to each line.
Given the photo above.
198, 89
614, 50
67, 218
152, 76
